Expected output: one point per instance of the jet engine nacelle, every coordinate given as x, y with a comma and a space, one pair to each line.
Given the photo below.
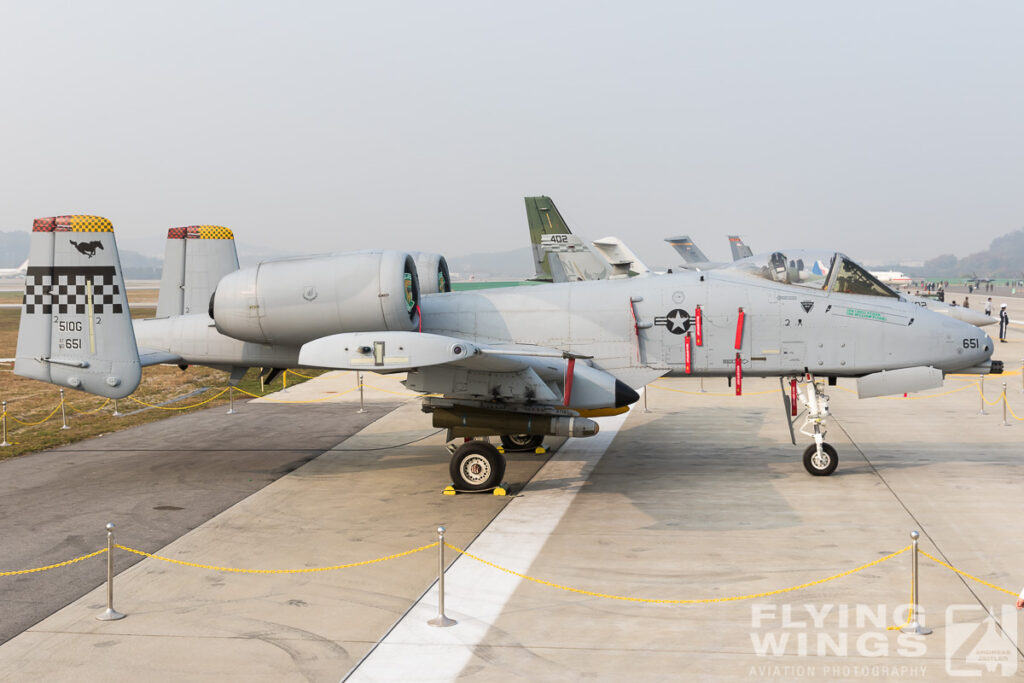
293, 301
433, 270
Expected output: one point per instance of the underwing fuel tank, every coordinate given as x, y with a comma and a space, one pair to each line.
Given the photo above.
293, 301
469, 422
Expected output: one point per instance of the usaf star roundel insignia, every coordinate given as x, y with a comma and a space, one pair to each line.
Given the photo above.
677, 321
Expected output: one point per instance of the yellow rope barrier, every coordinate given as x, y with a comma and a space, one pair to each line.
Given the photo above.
33, 424
965, 574
278, 571
677, 602
54, 566
982, 394
89, 412
194, 405
299, 374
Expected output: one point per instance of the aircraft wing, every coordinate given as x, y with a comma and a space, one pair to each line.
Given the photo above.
404, 351
514, 374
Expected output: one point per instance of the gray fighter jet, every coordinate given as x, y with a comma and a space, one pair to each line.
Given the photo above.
542, 360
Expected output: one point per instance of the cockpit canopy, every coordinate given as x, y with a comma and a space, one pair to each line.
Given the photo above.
815, 269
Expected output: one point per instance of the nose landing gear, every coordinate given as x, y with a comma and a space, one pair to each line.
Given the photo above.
820, 458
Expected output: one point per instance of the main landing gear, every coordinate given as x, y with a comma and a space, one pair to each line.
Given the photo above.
476, 466
480, 466
820, 458
521, 442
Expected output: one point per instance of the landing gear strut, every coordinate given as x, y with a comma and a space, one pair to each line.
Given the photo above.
476, 466
820, 458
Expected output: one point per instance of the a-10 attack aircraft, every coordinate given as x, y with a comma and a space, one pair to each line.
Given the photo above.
536, 361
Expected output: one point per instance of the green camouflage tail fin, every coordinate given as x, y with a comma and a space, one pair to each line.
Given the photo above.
558, 255
76, 329
195, 259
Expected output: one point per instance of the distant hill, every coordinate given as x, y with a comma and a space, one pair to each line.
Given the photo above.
1004, 258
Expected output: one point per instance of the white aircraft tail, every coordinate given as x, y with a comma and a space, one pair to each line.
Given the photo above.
76, 329
620, 257
195, 259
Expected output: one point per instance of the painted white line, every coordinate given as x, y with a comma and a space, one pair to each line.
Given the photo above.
475, 595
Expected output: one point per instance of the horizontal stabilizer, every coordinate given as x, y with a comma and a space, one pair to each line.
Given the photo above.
148, 357
902, 381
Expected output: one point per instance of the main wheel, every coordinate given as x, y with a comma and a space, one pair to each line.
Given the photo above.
823, 465
521, 442
476, 466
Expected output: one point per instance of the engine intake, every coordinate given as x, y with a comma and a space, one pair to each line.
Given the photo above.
293, 301
434, 275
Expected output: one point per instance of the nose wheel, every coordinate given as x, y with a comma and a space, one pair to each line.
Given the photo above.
476, 466
821, 461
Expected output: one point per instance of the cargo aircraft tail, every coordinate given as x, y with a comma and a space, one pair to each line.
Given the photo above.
739, 249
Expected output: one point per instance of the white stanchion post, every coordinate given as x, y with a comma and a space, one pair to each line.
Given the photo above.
110, 614
63, 415
915, 600
981, 380
441, 619
5, 426
359, 379
231, 400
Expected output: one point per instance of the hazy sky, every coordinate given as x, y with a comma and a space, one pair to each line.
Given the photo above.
885, 129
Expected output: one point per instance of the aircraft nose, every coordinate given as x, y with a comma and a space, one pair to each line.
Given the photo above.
968, 347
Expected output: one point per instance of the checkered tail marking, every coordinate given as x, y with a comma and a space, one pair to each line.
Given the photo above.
65, 290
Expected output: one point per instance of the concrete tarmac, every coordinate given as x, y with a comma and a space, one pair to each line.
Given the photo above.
155, 482
703, 497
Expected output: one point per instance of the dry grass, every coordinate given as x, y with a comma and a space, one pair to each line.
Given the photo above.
30, 401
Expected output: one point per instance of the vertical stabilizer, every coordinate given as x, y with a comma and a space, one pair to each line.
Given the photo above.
558, 255
690, 252
620, 257
195, 259
76, 329
739, 249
